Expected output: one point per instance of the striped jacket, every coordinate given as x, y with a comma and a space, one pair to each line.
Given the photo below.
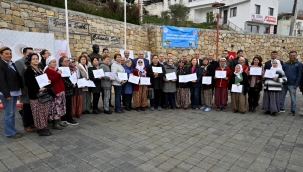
271, 85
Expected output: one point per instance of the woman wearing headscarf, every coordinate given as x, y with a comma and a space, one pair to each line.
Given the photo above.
239, 100
273, 88
64, 62
169, 86
86, 97
255, 84
182, 91
128, 87
57, 108
206, 90
221, 85
195, 85
40, 111
77, 92
139, 91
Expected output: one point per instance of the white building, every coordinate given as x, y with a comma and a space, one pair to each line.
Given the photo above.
257, 16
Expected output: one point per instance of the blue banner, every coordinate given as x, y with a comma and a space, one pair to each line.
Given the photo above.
179, 37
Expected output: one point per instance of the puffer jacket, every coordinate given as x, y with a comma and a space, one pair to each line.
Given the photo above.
169, 86
105, 81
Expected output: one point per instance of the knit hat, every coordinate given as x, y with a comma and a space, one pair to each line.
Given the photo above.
49, 59
239, 51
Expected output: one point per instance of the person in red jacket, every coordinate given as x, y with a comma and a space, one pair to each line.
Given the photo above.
221, 84
57, 109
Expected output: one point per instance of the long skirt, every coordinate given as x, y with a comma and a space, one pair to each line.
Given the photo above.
271, 101
86, 100
40, 113
239, 102
220, 96
182, 98
77, 105
57, 108
206, 97
140, 97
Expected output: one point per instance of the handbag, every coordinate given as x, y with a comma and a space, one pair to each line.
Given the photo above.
150, 93
46, 96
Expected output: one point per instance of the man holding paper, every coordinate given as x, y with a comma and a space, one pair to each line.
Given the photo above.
221, 84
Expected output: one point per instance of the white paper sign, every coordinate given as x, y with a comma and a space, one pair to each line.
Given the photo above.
122, 76
171, 76
145, 80
255, 71
183, 78
236, 89
90, 83
133, 79
65, 71
42, 80
220, 74
73, 78
157, 69
81, 82
110, 74
191, 77
206, 79
270, 73
98, 73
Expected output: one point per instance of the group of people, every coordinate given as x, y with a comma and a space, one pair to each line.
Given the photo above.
19, 80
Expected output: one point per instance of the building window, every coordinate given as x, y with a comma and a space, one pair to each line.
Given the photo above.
233, 12
253, 28
258, 9
270, 11
210, 17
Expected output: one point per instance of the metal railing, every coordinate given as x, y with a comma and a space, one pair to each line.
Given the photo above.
231, 26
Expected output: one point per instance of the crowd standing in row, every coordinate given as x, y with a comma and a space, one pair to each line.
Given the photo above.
69, 101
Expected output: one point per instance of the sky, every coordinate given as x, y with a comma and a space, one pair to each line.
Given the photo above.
285, 6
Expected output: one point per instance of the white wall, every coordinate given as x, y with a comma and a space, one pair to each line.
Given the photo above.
243, 14
265, 5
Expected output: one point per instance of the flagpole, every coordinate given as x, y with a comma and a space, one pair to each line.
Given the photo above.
66, 31
124, 24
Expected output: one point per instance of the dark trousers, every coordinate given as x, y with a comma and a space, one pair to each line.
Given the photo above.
68, 105
253, 97
96, 97
156, 102
170, 100
118, 93
194, 96
163, 101
127, 100
27, 116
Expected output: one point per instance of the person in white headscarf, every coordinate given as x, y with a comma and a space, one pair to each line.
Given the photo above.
273, 88
139, 91
239, 79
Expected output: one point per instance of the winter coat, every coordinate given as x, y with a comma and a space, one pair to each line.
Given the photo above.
169, 86
136, 72
105, 81
56, 80
84, 73
221, 82
20, 67
293, 73
156, 83
244, 82
128, 86
97, 81
115, 68
198, 82
271, 85
209, 72
183, 71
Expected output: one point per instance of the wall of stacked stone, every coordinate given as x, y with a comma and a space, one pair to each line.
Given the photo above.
31, 17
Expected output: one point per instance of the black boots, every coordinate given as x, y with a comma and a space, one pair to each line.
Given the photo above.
56, 125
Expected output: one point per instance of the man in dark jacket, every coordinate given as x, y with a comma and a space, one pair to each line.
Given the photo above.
268, 64
239, 54
293, 72
10, 89
140, 56
197, 56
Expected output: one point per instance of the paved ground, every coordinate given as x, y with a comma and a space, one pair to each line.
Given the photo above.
172, 140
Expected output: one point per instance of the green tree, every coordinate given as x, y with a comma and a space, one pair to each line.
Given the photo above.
177, 13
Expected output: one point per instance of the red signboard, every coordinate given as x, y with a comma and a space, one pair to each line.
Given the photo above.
270, 19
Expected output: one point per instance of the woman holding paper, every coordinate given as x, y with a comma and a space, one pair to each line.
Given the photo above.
169, 87
97, 81
86, 96
115, 68
139, 91
238, 99
195, 85
206, 90
128, 87
255, 84
182, 91
64, 62
77, 92
106, 83
57, 108
40, 111
273, 88
221, 84
156, 79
